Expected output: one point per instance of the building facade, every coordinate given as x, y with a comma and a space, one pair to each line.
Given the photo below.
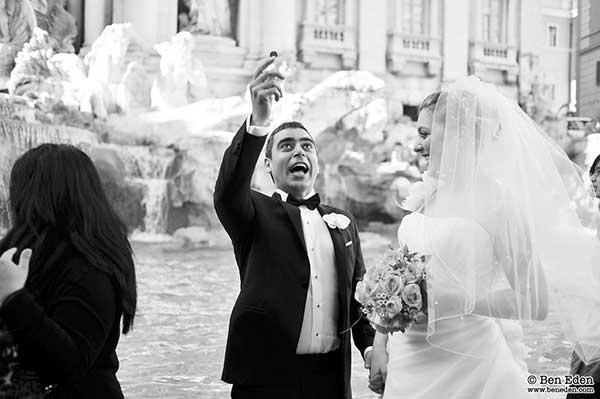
523, 46
588, 71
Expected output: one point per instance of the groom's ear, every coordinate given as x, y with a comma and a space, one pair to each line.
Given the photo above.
269, 170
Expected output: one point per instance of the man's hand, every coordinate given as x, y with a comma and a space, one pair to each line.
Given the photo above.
263, 87
376, 361
12, 276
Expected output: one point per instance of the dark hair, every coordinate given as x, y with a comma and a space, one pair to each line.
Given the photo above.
429, 101
594, 164
283, 126
57, 202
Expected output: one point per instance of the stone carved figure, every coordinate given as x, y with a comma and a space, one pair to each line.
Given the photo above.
17, 21
115, 63
106, 59
210, 17
180, 72
52, 17
46, 76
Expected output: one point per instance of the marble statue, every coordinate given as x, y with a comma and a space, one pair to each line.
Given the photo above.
17, 21
46, 77
210, 17
179, 71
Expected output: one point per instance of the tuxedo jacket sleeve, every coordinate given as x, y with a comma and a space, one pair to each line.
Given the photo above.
362, 331
232, 198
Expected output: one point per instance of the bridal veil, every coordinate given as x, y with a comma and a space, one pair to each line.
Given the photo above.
524, 242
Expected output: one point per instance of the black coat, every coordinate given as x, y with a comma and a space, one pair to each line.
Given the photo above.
68, 334
269, 248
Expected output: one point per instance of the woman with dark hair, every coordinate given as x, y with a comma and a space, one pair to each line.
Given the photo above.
65, 317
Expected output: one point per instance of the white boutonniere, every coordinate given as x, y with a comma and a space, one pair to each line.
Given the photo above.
336, 221
418, 193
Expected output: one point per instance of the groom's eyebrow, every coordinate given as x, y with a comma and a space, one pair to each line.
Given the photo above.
293, 140
286, 140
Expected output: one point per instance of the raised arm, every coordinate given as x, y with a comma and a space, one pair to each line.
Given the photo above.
232, 199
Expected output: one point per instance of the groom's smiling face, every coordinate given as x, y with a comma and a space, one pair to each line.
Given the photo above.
293, 162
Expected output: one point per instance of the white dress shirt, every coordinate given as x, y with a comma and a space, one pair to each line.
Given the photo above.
319, 332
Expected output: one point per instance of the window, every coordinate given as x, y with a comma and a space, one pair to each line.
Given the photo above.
329, 12
597, 73
494, 19
552, 36
414, 16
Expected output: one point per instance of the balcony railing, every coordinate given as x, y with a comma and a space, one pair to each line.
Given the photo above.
318, 39
494, 56
406, 47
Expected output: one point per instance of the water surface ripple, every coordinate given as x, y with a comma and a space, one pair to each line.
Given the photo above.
185, 297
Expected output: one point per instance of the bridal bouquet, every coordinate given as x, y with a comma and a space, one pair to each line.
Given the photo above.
393, 292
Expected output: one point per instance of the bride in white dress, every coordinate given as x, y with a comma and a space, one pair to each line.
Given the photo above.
497, 215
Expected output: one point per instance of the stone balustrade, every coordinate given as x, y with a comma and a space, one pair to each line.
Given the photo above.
494, 56
406, 48
317, 40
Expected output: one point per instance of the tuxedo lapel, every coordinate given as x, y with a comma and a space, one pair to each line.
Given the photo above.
339, 249
294, 214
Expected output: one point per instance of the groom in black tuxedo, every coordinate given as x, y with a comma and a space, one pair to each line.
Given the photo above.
299, 262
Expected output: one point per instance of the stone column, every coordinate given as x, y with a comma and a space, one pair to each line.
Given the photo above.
309, 11
456, 40
511, 24
434, 18
154, 20
279, 27
372, 35
477, 20
396, 11
350, 12
94, 20
250, 31
351, 31
75, 8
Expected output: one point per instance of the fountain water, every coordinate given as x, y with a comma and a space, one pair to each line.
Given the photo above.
148, 166
143, 166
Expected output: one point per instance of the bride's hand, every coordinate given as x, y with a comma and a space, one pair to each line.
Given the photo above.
13, 276
379, 360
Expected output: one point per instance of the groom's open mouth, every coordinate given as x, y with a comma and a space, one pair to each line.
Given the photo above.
299, 169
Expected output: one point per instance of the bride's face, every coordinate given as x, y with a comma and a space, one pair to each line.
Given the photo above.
595, 177
423, 146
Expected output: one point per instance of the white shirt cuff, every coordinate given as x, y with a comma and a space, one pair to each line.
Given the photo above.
258, 131
367, 350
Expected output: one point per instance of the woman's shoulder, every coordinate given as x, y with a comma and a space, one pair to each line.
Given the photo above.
78, 269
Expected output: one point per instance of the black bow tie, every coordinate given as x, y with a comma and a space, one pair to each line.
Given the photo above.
311, 203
